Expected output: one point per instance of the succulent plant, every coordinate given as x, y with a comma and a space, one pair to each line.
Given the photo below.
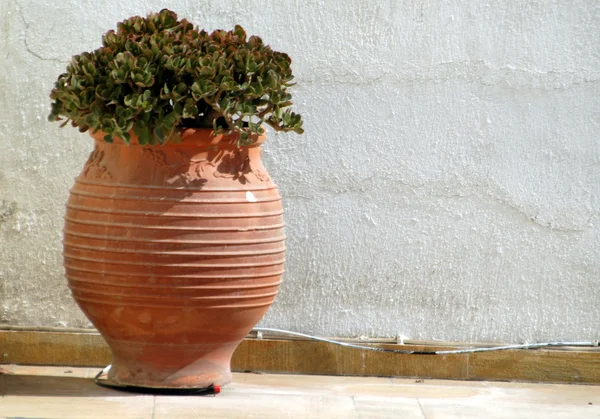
157, 75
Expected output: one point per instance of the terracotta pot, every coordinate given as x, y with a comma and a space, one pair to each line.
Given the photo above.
174, 253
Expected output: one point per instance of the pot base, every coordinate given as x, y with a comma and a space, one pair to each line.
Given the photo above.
168, 365
165, 391
196, 376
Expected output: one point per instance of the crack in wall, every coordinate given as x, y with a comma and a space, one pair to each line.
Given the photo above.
472, 71
27, 47
485, 196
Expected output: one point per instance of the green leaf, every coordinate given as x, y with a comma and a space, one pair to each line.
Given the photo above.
175, 138
190, 110
144, 136
243, 139
240, 33
160, 134
158, 71
126, 137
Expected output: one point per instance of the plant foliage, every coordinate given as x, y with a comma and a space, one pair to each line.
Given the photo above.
157, 75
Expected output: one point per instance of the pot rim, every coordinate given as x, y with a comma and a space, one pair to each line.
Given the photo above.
190, 136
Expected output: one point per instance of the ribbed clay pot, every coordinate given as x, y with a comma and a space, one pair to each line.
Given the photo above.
174, 253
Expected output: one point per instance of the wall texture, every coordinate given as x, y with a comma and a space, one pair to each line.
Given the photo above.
447, 186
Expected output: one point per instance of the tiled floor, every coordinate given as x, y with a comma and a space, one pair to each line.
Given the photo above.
51, 392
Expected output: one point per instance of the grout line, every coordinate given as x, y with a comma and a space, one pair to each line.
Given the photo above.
421, 407
354, 405
153, 406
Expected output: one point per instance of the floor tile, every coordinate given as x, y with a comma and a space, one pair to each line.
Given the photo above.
50, 371
233, 405
50, 407
477, 409
7, 368
34, 385
63, 392
31, 396
373, 407
312, 384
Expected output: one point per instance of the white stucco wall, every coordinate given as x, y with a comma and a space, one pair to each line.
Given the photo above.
447, 186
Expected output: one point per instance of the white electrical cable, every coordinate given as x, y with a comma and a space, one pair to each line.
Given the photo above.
408, 352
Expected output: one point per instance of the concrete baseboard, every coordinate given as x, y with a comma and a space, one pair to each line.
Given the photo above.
87, 348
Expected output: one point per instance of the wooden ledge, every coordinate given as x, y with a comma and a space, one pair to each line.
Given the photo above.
19, 345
